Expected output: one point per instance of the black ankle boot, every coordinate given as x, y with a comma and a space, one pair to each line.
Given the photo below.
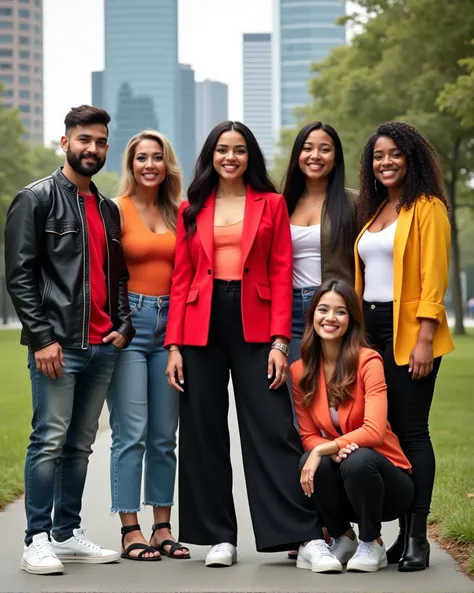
416, 555
395, 552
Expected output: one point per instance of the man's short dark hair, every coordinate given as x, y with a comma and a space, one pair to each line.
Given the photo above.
85, 115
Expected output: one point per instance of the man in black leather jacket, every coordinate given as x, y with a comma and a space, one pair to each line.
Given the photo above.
67, 278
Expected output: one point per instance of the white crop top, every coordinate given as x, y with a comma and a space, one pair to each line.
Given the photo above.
376, 251
306, 255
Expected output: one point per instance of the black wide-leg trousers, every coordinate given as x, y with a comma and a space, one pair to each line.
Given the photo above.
282, 516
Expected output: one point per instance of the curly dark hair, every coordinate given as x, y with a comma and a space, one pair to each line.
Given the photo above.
423, 177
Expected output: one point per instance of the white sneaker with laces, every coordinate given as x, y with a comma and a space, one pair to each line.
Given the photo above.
39, 557
79, 548
316, 556
224, 554
343, 548
369, 557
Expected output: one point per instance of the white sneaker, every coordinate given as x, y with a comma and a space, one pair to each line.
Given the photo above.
222, 555
39, 557
316, 556
343, 548
80, 549
370, 557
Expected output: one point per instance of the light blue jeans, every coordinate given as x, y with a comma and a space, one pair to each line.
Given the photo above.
65, 421
143, 413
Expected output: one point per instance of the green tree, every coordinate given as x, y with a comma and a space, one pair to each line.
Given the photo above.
108, 183
458, 98
396, 69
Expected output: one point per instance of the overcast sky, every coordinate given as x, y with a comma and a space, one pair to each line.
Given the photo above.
210, 39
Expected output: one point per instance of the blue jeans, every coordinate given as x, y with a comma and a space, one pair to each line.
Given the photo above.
143, 413
65, 422
301, 300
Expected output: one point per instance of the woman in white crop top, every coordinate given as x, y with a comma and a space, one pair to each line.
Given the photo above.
322, 216
402, 260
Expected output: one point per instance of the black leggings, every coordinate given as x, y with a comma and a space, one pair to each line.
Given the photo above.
366, 488
409, 403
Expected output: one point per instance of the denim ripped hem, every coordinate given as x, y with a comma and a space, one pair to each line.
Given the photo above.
113, 511
158, 504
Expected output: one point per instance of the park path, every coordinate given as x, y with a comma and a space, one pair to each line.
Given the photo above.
254, 573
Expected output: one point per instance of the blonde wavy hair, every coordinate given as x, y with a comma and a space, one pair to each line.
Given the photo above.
169, 193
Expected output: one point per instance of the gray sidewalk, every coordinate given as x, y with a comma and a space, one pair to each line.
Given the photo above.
253, 573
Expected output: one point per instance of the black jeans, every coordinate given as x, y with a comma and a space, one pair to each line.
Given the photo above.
282, 516
409, 403
366, 488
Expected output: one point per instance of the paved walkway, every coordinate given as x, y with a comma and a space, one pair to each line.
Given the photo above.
253, 573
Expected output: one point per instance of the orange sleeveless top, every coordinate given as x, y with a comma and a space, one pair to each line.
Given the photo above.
149, 256
228, 251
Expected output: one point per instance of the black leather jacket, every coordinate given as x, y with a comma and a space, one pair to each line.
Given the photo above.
47, 264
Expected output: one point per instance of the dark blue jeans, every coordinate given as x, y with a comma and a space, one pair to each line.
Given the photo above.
301, 300
65, 422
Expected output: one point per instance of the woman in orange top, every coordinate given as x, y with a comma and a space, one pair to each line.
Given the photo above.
354, 468
402, 270
143, 408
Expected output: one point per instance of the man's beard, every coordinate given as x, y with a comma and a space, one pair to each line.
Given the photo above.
87, 170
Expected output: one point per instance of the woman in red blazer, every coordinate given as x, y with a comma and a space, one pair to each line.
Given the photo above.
354, 468
230, 312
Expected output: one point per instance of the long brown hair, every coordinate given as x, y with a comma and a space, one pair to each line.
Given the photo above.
424, 176
169, 193
345, 374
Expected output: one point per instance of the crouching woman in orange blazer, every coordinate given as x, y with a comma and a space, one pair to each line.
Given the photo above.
353, 469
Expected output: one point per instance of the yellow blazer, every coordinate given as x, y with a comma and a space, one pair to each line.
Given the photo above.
420, 275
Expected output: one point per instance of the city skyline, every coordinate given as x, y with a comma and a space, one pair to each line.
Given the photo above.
210, 40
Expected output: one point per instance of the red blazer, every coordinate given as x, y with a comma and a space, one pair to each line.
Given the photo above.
363, 418
267, 273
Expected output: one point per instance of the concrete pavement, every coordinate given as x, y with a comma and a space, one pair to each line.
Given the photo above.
254, 572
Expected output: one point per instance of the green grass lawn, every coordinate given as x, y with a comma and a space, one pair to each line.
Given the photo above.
452, 429
15, 415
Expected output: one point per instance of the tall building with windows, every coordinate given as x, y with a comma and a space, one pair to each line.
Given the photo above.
257, 60
305, 31
211, 108
141, 64
21, 62
97, 80
186, 144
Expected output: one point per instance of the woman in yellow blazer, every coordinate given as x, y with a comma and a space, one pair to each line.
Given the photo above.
402, 264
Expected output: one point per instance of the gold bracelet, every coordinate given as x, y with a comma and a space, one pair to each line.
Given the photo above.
175, 349
281, 346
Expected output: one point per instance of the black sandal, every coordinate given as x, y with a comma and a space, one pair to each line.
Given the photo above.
293, 555
174, 546
137, 546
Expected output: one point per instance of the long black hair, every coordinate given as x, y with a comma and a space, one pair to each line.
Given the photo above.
423, 176
339, 208
206, 178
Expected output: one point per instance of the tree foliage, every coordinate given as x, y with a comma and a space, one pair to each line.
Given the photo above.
458, 98
408, 63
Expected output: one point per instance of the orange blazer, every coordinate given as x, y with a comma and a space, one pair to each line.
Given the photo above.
420, 275
363, 418
267, 273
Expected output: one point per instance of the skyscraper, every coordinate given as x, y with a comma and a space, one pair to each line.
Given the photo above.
141, 63
257, 49
186, 144
211, 108
97, 79
305, 31
21, 62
